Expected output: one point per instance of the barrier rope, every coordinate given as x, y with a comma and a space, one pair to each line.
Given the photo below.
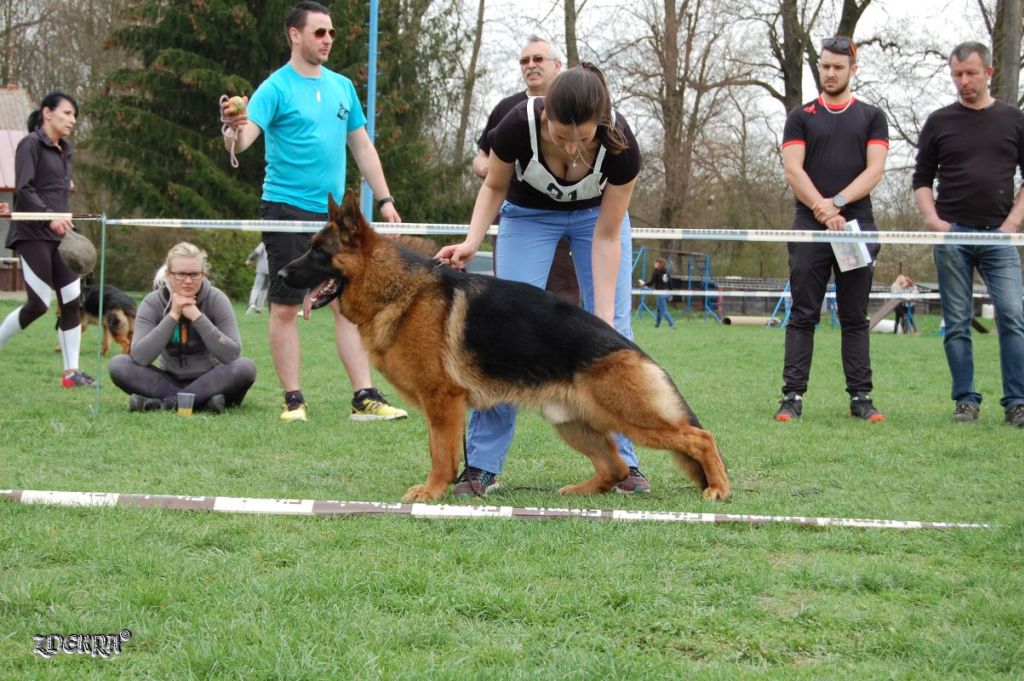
311, 507
454, 229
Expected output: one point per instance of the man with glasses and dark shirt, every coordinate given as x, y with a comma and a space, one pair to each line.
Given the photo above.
974, 147
833, 151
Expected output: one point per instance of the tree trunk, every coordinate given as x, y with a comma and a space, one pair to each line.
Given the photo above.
1006, 37
794, 38
850, 15
469, 85
572, 55
672, 109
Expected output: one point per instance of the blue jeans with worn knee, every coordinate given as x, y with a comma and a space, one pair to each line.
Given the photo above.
999, 267
527, 239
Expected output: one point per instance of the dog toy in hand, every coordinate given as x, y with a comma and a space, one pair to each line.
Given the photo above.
236, 105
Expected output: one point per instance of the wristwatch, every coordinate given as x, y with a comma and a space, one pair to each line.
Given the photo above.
386, 199
838, 200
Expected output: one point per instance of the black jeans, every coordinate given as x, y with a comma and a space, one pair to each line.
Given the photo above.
811, 265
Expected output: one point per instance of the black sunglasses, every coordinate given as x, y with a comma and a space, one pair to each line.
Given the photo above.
839, 46
536, 59
321, 32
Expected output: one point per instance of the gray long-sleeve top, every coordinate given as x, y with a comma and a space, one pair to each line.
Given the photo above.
186, 349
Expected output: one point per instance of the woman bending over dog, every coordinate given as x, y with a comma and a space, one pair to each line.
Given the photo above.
563, 165
190, 326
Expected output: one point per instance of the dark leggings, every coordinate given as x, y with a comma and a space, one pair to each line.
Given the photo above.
232, 380
43, 269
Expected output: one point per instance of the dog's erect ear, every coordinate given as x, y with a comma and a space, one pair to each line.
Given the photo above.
351, 212
333, 209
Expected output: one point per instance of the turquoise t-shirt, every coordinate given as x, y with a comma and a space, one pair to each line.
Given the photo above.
305, 124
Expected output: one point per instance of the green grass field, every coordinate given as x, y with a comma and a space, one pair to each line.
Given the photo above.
255, 597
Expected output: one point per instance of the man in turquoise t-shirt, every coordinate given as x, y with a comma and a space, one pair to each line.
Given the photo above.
307, 113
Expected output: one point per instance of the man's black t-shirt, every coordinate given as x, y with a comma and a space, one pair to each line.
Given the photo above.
500, 110
836, 141
510, 141
975, 153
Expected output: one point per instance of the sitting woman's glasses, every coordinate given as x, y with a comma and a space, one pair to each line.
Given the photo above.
182, 276
321, 32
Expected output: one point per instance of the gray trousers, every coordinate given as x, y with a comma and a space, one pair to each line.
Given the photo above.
232, 380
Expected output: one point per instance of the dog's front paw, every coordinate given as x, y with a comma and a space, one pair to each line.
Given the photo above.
422, 493
581, 489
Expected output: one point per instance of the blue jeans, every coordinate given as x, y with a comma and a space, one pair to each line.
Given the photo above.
661, 306
527, 239
999, 267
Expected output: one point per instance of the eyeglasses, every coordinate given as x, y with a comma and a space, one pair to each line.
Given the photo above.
536, 59
182, 276
321, 32
839, 46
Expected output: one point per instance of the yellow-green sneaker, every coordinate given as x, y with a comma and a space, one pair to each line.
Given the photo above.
370, 405
296, 413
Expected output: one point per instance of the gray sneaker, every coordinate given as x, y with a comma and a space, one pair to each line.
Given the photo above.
967, 412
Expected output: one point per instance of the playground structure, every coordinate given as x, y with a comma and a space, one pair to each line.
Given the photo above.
699, 284
727, 300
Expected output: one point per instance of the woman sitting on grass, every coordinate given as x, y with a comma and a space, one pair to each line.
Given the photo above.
190, 325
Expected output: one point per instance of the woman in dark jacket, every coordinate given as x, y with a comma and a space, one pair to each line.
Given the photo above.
42, 184
660, 281
190, 326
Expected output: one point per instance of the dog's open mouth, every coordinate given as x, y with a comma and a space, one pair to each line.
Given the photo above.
320, 295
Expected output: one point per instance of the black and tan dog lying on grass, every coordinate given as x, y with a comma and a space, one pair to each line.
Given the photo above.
448, 340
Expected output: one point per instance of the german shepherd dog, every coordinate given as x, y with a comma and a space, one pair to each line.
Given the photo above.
118, 318
448, 340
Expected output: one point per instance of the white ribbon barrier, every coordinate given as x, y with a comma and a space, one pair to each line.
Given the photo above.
738, 293
314, 507
441, 229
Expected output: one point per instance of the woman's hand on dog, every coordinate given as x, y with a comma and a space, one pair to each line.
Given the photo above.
457, 255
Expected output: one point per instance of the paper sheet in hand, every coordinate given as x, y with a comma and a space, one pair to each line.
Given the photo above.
851, 254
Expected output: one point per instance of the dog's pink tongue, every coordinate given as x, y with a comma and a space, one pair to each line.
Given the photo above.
307, 302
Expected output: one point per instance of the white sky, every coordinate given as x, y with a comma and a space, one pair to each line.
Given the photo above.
510, 21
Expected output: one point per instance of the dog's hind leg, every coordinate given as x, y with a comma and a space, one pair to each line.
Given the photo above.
696, 453
601, 449
446, 421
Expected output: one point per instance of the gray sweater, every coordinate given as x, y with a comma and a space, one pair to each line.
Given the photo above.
187, 349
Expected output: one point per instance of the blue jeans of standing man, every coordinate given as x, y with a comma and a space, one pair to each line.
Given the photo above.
527, 239
999, 267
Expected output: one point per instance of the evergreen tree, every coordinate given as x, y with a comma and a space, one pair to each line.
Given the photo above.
156, 141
